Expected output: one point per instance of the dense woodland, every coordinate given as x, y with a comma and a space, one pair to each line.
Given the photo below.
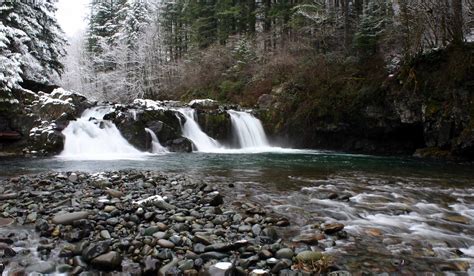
228, 50
237, 50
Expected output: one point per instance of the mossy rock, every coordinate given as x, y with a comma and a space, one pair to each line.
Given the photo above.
309, 256
216, 124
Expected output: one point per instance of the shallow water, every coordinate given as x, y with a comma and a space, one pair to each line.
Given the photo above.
402, 215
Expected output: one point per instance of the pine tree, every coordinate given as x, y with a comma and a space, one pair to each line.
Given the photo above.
32, 43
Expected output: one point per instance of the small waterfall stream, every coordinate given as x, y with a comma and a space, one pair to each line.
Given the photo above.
91, 137
248, 130
193, 132
156, 147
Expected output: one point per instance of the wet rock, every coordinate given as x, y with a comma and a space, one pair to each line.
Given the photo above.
114, 193
311, 239
132, 269
94, 250
285, 253
8, 196
280, 265
457, 219
180, 145
309, 256
331, 228
213, 199
41, 267
105, 234
6, 222
256, 229
165, 243
245, 228
151, 230
69, 218
186, 265
64, 268
7, 250
73, 177
164, 269
213, 255
151, 266
108, 261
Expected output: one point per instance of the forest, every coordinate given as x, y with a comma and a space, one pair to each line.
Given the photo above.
234, 50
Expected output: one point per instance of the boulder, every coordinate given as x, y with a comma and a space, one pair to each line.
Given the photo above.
180, 145
108, 261
216, 123
204, 104
94, 250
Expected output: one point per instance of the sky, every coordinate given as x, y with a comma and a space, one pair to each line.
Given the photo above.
71, 15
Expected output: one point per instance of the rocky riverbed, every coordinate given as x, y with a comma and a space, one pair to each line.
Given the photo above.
142, 222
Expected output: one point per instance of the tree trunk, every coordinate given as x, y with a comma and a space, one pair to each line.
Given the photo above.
458, 34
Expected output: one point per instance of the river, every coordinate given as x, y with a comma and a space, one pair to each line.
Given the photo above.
401, 215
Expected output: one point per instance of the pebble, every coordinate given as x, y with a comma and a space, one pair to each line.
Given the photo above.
165, 243
105, 234
332, 228
285, 253
96, 214
69, 218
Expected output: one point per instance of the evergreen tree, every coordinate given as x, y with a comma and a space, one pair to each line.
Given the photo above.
31, 43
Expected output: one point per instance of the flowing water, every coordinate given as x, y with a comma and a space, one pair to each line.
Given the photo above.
248, 129
156, 147
192, 131
91, 137
401, 215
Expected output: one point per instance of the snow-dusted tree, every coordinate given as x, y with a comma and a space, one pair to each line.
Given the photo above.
32, 43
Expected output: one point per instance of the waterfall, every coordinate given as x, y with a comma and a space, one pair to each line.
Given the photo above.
248, 130
91, 137
193, 132
156, 147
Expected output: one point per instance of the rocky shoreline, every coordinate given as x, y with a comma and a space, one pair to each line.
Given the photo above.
146, 223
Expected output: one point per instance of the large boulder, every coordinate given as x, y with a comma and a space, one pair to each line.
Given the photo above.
216, 123
204, 104
180, 145
46, 140
132, 123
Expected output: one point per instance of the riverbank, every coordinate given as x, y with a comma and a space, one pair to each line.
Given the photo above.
142, 222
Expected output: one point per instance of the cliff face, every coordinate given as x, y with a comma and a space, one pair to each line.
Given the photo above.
425, 108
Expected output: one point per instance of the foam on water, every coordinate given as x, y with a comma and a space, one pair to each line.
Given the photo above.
92, 138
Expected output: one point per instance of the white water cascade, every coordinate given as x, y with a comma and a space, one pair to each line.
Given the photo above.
91, 137
249, 130
193, 132
156, 147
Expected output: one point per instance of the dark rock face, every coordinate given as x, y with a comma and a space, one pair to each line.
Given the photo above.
180, 145
132, 123
37, 119
216, 123
166, 124
423, 106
